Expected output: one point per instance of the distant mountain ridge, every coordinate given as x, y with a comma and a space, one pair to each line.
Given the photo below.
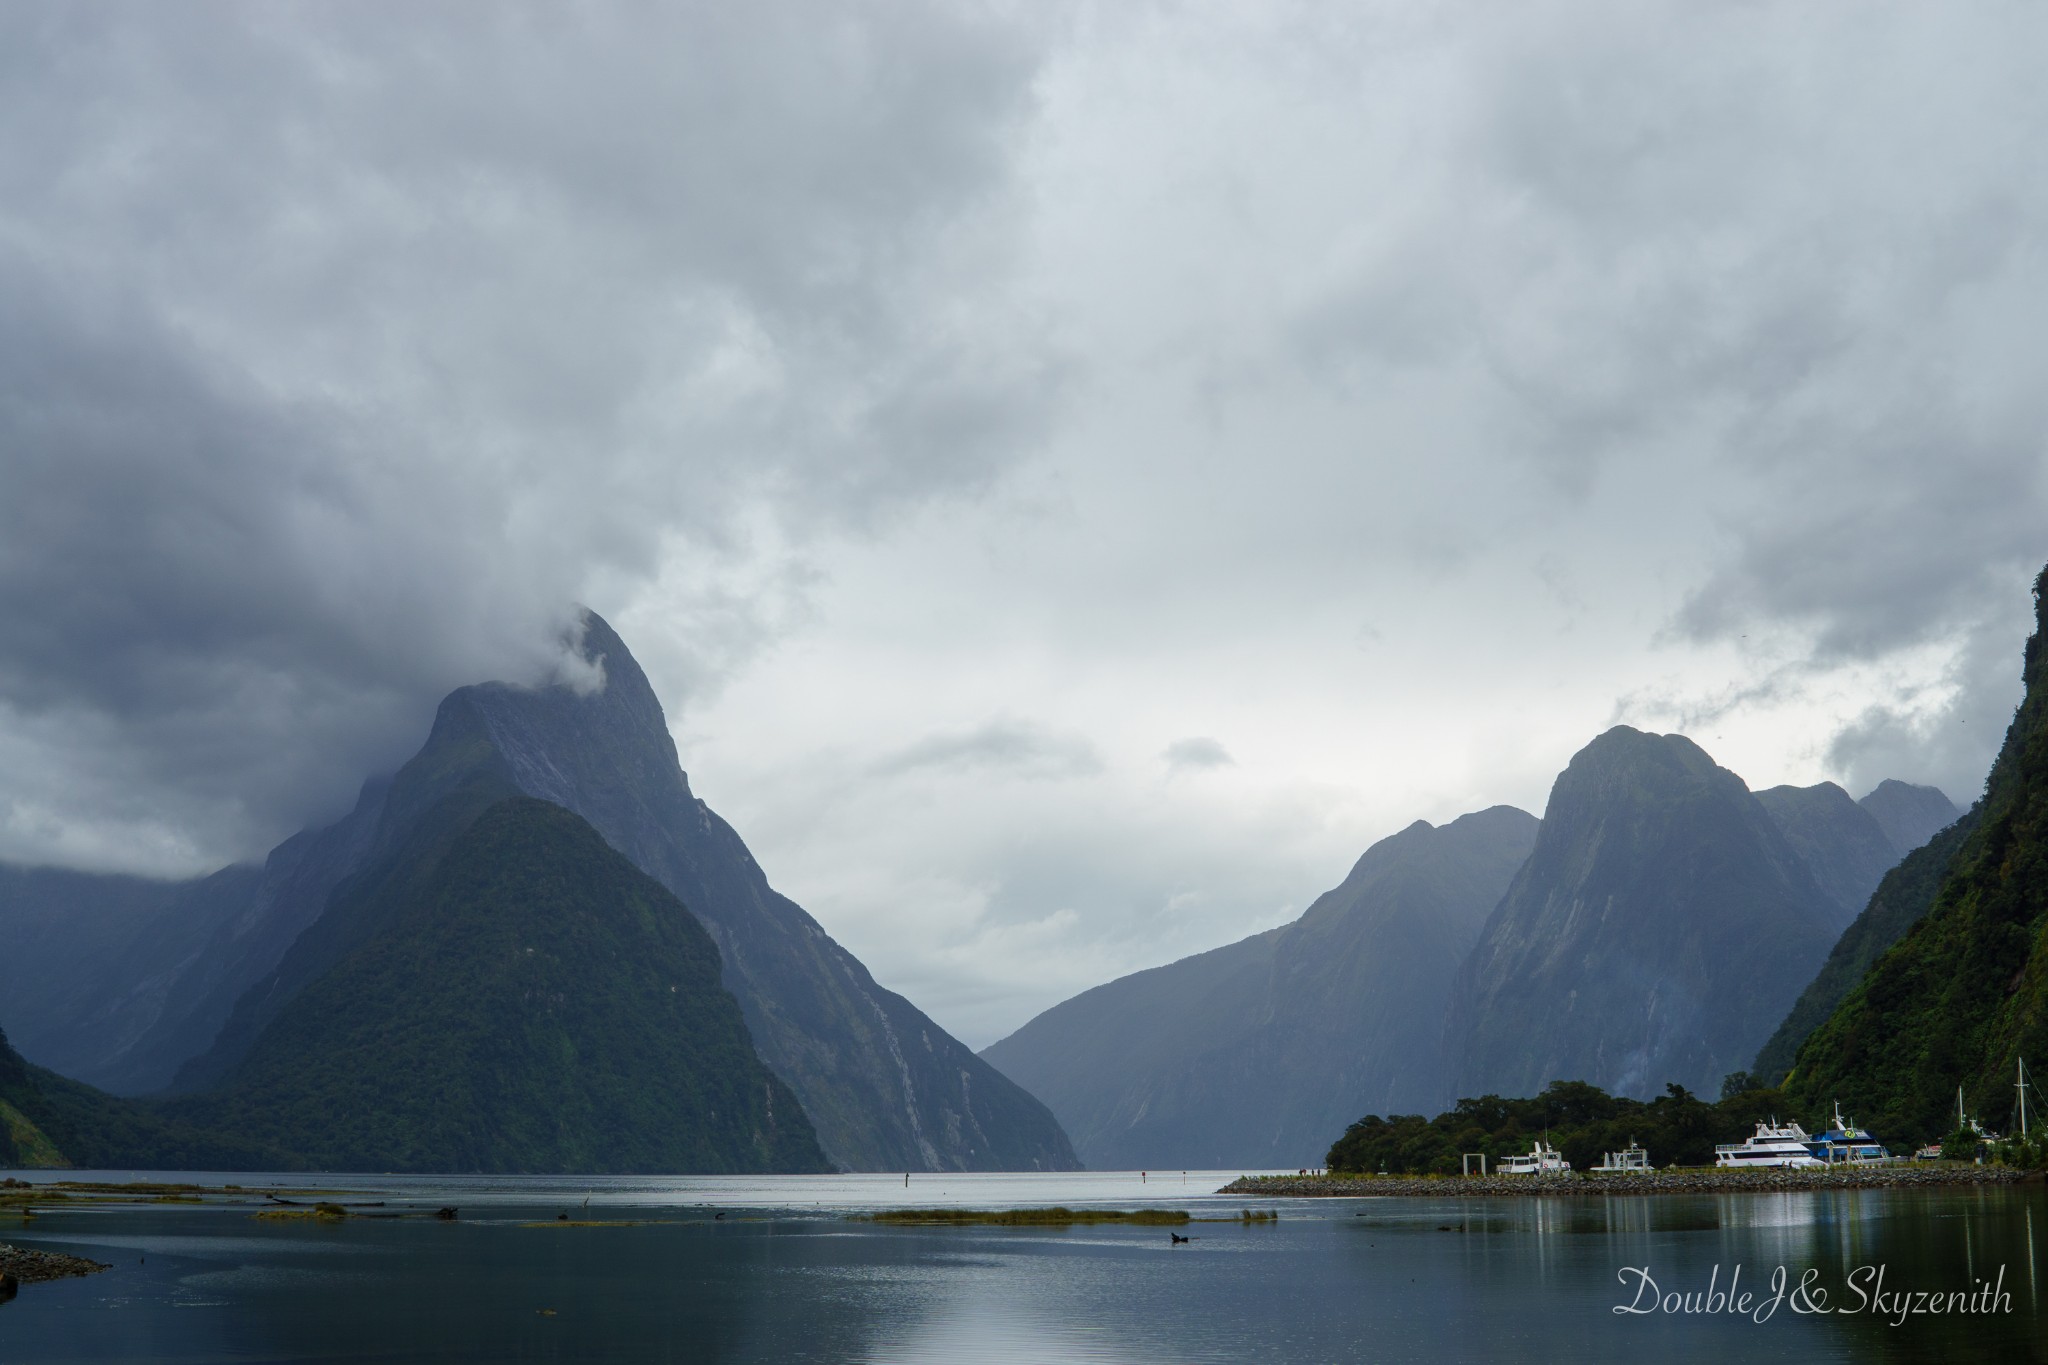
1256, 1053
1657, 932
1252, 1054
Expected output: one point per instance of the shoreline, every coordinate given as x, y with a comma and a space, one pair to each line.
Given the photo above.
1698, 1180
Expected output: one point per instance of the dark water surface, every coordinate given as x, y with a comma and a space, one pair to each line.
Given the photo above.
786, 1276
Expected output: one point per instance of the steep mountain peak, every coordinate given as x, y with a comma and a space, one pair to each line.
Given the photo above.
618, 678
885, 1087
1909, 814
604, 752
1659, 927
536, 727
1658, 762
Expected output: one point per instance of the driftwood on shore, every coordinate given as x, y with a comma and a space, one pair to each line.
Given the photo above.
1694, 1181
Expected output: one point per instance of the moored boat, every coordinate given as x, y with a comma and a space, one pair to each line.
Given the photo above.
1541, 1159
1633, 1157
1845, 1143
1773, 1144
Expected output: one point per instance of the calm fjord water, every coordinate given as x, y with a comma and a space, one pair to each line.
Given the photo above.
786, 1276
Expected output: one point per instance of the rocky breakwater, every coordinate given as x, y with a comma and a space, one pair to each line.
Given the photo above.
26, 1265
1690, 1181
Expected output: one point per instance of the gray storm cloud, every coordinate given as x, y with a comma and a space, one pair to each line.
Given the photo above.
952, 402
342, 347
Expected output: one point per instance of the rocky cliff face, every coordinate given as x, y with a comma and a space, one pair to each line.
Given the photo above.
1658, 931
1256, 1053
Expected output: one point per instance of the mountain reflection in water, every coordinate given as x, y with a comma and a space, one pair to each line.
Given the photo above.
785, 1275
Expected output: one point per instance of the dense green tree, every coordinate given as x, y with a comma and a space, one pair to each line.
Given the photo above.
1580, 1120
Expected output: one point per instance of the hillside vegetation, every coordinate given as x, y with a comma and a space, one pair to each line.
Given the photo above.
1965, 993
47, 1121
532, 1003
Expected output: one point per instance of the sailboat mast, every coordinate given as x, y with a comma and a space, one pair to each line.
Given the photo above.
2020, 1085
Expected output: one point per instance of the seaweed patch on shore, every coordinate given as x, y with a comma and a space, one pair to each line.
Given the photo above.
1053, 1217
323, 1212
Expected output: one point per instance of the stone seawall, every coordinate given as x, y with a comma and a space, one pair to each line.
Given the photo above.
1691, 1181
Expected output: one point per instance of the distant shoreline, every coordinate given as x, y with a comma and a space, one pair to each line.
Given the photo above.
1697, 1180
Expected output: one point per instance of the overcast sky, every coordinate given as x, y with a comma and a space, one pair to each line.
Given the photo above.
1076, 475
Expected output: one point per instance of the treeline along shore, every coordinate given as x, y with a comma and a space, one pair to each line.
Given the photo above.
1707, 1180
1678, 1129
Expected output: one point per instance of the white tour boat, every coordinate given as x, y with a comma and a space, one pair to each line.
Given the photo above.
1773, 1144
1542, 1159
